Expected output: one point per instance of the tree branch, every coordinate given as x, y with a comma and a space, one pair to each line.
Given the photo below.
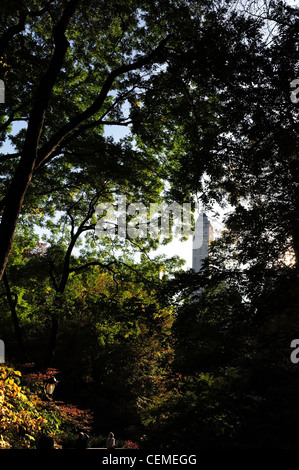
12, 118
9, 156
57, 138
92, 263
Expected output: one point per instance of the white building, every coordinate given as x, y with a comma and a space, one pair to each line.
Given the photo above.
202, 237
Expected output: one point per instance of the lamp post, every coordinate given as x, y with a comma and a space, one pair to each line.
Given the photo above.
49, 387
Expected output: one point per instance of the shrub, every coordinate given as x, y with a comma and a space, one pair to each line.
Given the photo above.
25, 415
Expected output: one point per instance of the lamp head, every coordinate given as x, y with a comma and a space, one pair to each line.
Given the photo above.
49, 385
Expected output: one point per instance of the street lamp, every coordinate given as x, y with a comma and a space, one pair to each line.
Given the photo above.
49, 386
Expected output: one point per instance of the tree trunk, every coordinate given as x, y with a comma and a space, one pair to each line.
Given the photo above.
49, 356
14, 316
